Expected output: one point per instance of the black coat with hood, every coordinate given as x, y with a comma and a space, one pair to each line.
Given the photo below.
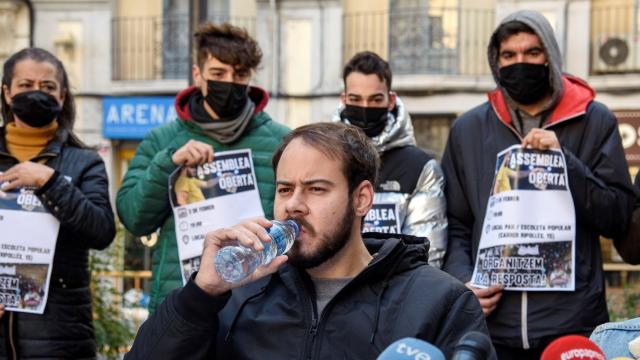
598, 179
397, 295
77, 195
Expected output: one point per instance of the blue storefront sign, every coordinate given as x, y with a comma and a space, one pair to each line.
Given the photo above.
131, 117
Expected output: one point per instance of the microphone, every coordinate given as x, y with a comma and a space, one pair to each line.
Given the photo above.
411, 349
572, 347
473, 346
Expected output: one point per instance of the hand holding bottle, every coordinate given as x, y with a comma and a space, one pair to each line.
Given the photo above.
250, 234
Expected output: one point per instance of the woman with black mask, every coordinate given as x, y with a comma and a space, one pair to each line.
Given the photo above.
40, 154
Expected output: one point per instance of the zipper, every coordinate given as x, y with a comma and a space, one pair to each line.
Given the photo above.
311, 334
14, 351
315, 328
510, 127
523, 321
570, 117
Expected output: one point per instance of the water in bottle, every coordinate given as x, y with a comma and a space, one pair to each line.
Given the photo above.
235, 263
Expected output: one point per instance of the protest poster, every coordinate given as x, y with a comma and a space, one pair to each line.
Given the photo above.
383, 218
211, 196
27, 245
528, 235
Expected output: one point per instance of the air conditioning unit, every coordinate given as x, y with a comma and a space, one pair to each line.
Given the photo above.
616, 53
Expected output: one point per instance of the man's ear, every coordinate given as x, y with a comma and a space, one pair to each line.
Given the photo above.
197, 75
343, 98
392, 100
363, 198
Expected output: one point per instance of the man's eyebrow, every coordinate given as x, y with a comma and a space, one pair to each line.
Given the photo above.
316, 181
534, 48
306, 182
376, 95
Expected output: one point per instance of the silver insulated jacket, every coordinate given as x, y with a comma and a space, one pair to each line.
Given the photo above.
413, 180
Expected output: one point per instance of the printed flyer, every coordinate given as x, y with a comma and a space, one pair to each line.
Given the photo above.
383, 218
26, 251
211, 196
528, 234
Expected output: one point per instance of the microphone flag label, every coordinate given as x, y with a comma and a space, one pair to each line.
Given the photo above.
211, 196
528, 234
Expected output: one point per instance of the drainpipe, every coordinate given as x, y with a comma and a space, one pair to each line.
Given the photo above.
32, 21
275, 49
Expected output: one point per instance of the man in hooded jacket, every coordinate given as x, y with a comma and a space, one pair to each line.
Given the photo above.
537, 106
409, 177
221, 112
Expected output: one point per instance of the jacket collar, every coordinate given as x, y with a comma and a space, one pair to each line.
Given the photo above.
52, 149
256, 94
400, 253
574, 101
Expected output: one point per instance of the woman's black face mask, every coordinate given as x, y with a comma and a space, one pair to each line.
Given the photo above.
35, 108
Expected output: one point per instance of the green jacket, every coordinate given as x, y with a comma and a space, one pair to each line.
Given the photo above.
143, 200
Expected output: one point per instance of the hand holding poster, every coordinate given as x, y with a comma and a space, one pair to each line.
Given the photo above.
214, 195
26, 251
528, 234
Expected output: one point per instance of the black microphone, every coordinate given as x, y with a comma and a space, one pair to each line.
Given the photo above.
473, 346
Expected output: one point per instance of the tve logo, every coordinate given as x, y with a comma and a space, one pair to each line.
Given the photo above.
411, 349
131, 117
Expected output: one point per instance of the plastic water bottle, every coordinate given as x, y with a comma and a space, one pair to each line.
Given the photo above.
235, 263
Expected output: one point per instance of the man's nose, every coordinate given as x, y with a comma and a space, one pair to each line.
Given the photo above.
296, 205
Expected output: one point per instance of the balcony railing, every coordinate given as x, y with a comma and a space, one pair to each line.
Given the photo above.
615, 38
154, 48
450, 40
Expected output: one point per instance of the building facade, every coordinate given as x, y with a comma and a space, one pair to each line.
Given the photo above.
128, 59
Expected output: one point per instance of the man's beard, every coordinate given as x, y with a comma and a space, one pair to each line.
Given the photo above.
331, 243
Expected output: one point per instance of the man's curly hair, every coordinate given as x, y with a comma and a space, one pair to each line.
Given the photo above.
230, 44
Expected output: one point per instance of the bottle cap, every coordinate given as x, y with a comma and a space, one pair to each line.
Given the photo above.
294, 225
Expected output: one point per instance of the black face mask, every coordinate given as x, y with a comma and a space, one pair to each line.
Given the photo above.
525, 83
370, 119
227, 99
35, 108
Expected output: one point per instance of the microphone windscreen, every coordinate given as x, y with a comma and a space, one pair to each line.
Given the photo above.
572, 347
473, 346
411, 348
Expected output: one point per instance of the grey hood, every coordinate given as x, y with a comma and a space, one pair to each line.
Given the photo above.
544, 31
397, 133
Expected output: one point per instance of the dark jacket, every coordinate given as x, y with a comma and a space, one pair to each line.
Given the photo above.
143, 200
412, 180
601, 191
397, 295
628, 245
78, 196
